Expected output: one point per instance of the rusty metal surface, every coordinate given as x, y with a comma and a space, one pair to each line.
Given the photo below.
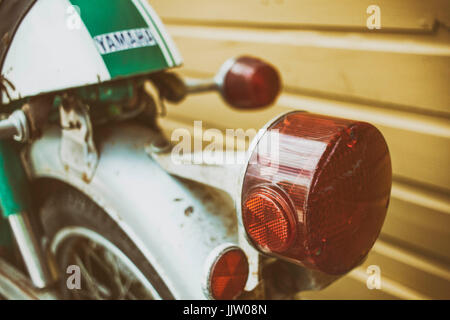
78, 151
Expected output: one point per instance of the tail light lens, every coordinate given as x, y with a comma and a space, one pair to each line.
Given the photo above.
228, 274
249, 83
316, 191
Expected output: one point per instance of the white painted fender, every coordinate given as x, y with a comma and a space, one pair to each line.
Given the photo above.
147, 203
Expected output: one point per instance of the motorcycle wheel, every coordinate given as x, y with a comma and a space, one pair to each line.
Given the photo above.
84, 239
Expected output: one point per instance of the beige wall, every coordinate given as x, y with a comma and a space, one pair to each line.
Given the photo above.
396, 78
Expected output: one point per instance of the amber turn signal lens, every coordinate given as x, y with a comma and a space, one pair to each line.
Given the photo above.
228, 275
250, 83
329, 182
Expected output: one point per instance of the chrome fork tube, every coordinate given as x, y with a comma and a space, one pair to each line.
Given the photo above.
15, 202
35, 260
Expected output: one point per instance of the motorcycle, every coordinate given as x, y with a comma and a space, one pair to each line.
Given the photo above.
94, 205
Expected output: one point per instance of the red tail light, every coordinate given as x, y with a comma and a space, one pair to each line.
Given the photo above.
248, 83
228, 274
319, 194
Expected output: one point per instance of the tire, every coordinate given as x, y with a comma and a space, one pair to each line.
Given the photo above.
76, 229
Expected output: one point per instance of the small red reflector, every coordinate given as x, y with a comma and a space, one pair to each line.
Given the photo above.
269, 219
251, 83
228, 275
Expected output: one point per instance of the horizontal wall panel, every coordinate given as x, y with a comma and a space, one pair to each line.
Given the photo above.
385, 70
349, 288
401, 278
419, 145
412, 270
420, 218
395, 14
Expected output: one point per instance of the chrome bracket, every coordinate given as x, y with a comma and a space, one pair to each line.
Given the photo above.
78, 151
20, 121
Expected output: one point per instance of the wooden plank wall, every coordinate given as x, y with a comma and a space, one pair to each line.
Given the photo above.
396, 78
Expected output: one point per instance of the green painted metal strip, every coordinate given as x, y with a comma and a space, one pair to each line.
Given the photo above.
148, 14
14, 189
107, 16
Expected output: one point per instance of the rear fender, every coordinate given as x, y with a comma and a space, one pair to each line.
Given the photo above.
176, 224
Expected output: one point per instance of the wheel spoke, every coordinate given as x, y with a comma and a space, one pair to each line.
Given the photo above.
126, 288
89, 281
115, 270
